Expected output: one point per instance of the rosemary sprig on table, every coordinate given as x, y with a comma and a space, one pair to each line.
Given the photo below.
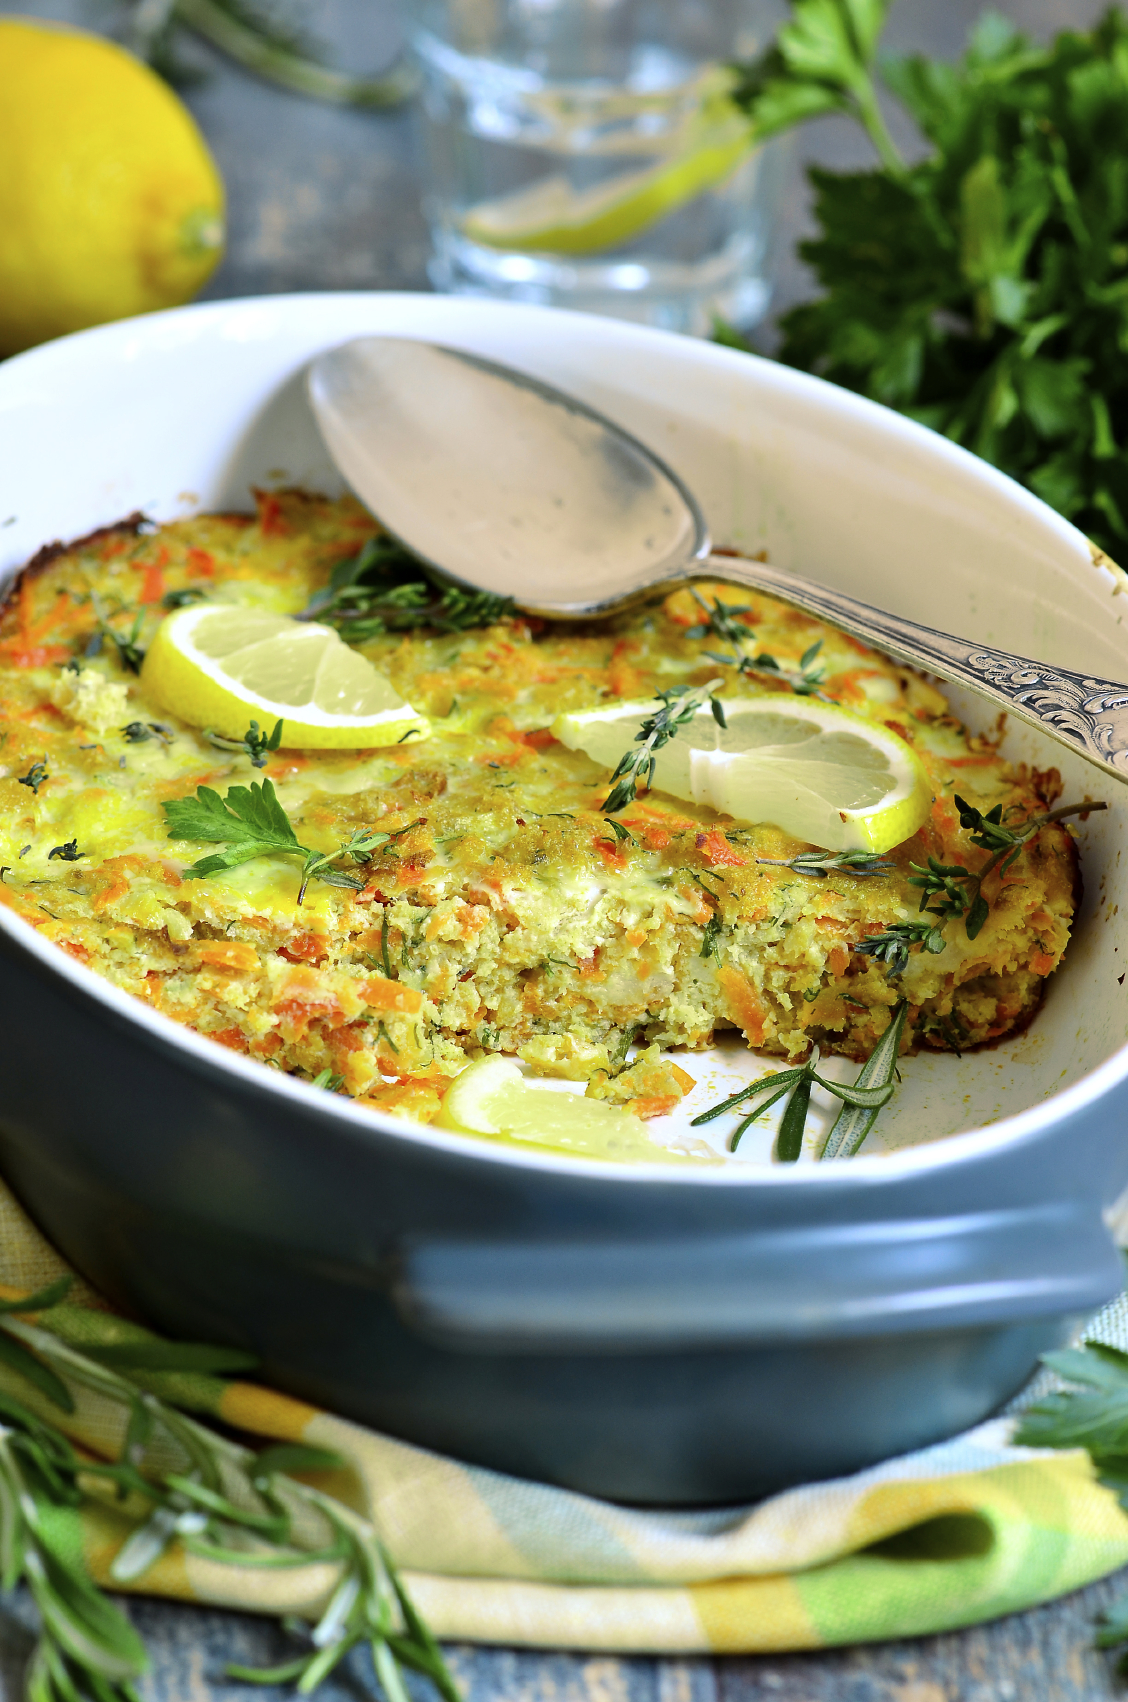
380, 590
679, 706
959, 890
252, 823
255, 743
861, 1100
215, 1496
258, 38
721, 622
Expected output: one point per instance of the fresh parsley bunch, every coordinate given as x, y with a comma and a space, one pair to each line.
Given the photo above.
984, 289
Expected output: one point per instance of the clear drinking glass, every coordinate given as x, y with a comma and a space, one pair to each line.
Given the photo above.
584, 153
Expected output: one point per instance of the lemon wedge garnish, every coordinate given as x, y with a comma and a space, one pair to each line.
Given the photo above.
218, 667
493, 1098
552, 217
818, 772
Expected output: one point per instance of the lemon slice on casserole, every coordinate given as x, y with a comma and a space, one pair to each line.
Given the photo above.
820, 773
492, 1097
219, 666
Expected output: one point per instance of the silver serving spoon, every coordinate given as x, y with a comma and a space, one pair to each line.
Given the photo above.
500, 483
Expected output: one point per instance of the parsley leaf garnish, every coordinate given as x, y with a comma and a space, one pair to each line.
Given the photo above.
252, 823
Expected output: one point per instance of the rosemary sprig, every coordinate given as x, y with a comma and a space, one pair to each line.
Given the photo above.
255, 743
959, 890
819, 864
217, 1497
861, 1100
372, 593
720, 622
252, 823
618, 1059
250, 36
878, 1074
680, 705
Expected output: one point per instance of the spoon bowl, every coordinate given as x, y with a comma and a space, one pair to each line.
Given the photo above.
501, 483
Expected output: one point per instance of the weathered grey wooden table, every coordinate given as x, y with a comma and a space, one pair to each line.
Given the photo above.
325, 199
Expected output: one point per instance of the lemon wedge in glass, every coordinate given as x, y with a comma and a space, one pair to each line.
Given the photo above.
553, 217
821, 774
219, 666
493, 1098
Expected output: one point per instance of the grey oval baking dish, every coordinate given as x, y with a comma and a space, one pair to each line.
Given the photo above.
648, 1337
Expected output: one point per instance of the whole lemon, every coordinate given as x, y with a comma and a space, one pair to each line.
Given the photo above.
110, 203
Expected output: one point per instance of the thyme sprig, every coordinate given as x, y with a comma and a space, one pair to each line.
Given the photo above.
140, 732
861, 1100
219, 1498
35, 776
891, 946
380, 591
255, 743
720, 622
130, 653
680, 705
623, 835
252, 823
958, 891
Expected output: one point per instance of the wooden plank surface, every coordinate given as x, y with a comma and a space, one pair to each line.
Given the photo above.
1042, 1656
325, 199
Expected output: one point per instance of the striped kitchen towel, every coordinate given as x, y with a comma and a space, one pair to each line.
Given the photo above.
946, 1537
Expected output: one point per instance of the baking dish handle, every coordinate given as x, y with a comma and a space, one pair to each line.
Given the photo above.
591, 1296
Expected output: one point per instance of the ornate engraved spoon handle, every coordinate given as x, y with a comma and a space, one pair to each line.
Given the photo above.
1089, 716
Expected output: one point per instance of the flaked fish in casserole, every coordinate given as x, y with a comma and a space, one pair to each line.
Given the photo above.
494, 904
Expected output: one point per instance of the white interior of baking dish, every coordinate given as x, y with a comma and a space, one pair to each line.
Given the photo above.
184, 411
